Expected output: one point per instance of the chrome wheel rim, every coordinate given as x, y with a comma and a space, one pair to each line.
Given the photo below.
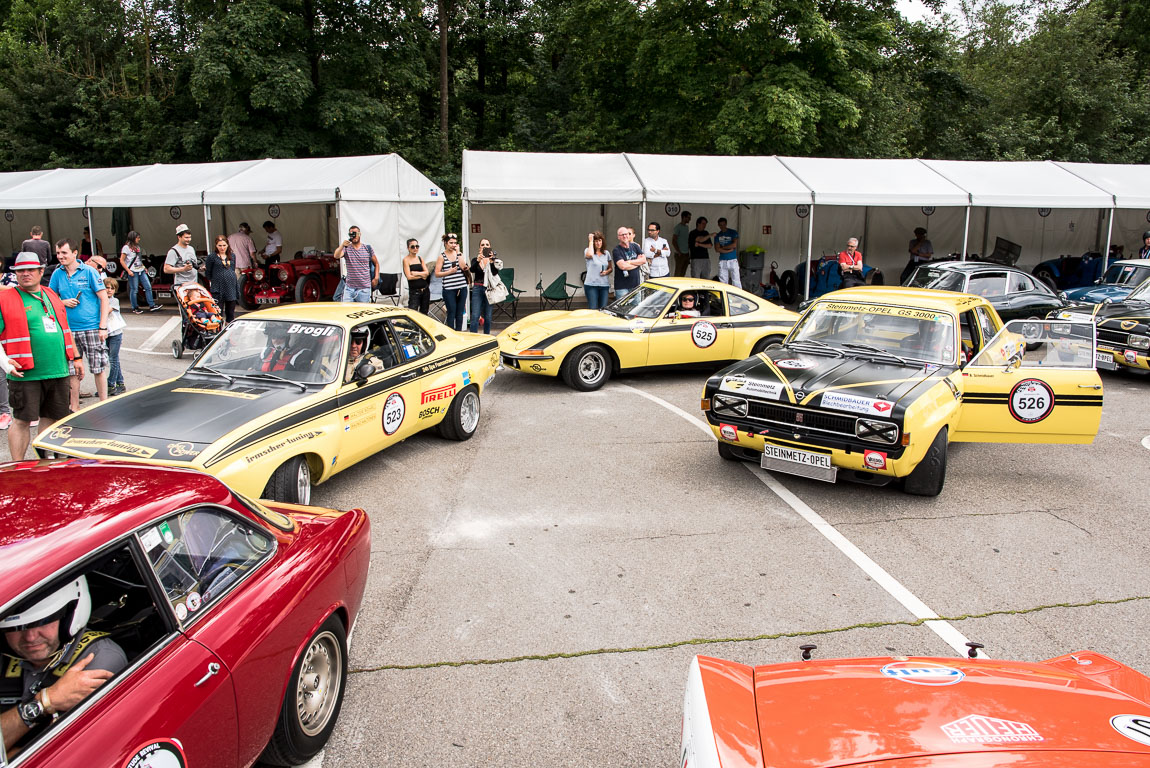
591, 367
303, 482
469, 412
317, 688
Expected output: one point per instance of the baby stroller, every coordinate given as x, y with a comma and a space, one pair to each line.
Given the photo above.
200, 318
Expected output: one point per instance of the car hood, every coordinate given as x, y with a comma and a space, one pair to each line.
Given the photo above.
1109, 314
174, 420
863, 710
850, 384
1096, 294
542, 326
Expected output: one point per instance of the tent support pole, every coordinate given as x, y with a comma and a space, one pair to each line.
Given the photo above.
810, 241
966, 233
642, 219
866, 227
1109, 233
91, 229
207, 232
985, 230
465, 231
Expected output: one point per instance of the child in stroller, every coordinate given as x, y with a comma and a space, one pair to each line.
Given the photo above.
200, 316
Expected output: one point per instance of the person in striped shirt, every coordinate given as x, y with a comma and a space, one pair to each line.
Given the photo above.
362, 267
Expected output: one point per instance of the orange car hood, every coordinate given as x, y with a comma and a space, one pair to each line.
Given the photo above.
926, 711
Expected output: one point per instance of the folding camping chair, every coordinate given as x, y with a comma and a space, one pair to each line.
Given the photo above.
437, 308
560, 292
510, 305
388, 288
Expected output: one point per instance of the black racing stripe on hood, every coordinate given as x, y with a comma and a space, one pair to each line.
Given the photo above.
349, 398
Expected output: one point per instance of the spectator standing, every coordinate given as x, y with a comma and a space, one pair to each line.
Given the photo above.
181, 261
598, 279
851, 264
657, 251
727, 246
35, 349
86, 246
920, 249
81, 289
484, 260
275, 245
1143, 252
361, 266
627, 263
418, 278
699, 244
116, 327
220, 269
681, 244
242, 248
453, 269
38, 245
132, 260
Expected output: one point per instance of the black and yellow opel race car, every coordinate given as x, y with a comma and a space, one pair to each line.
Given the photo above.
874, 383
274, 404
1123, 329
651, 327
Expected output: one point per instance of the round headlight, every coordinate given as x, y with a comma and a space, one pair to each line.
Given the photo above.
258, 274
151, 273
283, 274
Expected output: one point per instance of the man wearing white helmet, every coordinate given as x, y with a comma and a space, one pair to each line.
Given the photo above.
50, 661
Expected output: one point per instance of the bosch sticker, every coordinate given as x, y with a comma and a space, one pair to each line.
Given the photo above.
160, 753
703, 333
794, 365
922, 674
1031, 401
982, 729
874, 460
393, 411
728, 432
1135, 727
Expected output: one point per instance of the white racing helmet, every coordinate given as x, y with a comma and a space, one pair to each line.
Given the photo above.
71, 603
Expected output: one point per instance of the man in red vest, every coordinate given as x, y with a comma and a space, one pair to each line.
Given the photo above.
35, 349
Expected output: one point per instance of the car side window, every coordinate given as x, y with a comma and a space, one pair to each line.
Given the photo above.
381, 345
414, 342
740, 305
988, 284
985, 325
971, 341
1019, 283
201, 553
710, 304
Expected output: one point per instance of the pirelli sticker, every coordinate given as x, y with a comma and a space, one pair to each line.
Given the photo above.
882, 309
106, 444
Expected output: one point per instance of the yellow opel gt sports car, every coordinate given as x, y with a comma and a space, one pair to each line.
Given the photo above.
273, 405
654, 326
874, 383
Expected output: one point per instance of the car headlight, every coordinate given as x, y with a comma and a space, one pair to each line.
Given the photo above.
283, 274
258, 274
1138, 342
726, 405
151, 273
875, 431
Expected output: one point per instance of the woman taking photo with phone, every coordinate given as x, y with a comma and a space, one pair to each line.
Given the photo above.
484, 260
598, 278
418, 278
452, 267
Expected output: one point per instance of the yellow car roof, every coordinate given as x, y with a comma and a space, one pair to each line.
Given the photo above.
346, 314
924, 298
695, 284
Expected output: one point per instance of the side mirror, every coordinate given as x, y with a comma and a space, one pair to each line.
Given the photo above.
676, 315
362, 372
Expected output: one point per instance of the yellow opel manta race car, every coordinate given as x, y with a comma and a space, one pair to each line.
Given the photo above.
874, 383
276, 404
666, 321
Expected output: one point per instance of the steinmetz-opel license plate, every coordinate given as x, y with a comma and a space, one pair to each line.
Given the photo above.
795, 462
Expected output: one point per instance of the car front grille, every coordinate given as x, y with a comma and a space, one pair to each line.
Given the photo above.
1117, 338
802, 417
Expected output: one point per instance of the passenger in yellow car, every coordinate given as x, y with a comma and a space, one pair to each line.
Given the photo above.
687, 305
357, 355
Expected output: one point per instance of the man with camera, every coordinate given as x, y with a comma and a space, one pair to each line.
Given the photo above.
361, 265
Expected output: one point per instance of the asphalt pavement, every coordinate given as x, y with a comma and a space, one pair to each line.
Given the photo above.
537, 592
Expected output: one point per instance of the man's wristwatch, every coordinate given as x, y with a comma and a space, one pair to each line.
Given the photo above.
31, 712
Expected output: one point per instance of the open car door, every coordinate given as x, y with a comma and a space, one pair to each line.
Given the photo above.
1034, 382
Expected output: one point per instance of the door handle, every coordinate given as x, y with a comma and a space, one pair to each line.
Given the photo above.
1090, 386
409, 376
213, 668
726, 325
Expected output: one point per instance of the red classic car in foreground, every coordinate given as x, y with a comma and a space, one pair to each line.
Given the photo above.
1083, 710
233, 616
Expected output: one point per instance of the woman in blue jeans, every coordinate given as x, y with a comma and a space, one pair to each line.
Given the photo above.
479, 302
598, 278
452, 267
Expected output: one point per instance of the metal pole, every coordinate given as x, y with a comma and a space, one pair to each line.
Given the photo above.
91, 229
1109, 232
810, 240
966, 233
207, 232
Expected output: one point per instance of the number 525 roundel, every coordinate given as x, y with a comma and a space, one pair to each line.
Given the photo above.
289, 396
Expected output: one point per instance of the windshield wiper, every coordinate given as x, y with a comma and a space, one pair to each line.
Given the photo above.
231, 379
818, 345
262, 375
876, 350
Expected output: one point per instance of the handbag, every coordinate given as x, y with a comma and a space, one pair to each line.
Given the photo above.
496, 290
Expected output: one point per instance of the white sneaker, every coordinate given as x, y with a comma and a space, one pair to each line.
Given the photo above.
35, 423
5, 420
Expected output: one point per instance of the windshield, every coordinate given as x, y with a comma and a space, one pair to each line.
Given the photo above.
1141, 293
1125, 274
910, 333
938, 279
645, 301
307, 353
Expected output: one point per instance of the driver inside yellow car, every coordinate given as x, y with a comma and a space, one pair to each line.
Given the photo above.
356, 355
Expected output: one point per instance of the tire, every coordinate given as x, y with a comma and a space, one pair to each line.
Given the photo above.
177, 349
763, 344
787, 287
587, 368
929, 476
313, 699
243, 299
726, 452
308, 288
291, 482
462, 419
1046, 275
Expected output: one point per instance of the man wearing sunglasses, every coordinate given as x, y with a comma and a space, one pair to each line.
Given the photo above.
361, 266
656, 249
51, 661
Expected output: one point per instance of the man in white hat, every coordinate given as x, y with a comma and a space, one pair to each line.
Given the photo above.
35, 348
181, 260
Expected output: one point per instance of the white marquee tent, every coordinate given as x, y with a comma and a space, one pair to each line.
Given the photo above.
311, 200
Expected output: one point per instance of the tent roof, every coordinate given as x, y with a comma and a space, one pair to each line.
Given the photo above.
164, 185
63, 187
849, 181
1034, 184
375, 178
16, 178
718, 179
536, 177
1130, 184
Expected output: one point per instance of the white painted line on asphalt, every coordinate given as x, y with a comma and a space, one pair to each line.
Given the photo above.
160, 334
876, 572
